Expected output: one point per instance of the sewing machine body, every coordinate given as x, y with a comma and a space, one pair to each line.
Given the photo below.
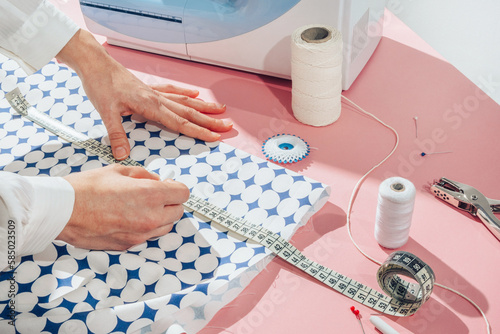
251, 35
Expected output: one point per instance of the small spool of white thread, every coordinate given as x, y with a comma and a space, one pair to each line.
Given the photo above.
396, 200
316, 74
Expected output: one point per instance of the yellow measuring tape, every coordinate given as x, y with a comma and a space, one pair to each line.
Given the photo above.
403, 298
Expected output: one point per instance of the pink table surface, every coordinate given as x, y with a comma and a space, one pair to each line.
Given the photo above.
403, 79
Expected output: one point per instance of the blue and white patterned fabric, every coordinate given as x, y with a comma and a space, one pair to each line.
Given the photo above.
177, 281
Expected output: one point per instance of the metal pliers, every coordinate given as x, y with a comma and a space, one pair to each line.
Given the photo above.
469, 199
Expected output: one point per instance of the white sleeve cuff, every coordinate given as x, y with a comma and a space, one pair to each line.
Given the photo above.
41, 37
51, 209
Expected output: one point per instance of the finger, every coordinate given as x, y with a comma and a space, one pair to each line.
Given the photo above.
191, 122
137, 172
117, 136
160, 231
173, 212
168, 88
197, 104
174, 192
125, 240
180, 124
100, 243
157, 218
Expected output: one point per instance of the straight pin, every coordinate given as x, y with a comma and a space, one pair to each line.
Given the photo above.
358, 316
424, 154
416, 128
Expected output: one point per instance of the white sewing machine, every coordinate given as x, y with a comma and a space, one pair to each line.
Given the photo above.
251, 35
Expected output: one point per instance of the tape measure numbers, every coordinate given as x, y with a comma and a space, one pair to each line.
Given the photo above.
406, 297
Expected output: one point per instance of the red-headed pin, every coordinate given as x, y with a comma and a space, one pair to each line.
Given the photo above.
358, 316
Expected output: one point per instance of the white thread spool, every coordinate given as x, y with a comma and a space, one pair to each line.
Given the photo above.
396, 199
316, 74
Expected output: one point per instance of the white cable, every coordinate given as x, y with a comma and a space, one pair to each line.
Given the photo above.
470, 301
355, 192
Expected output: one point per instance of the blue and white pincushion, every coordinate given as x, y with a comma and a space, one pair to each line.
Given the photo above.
285, 148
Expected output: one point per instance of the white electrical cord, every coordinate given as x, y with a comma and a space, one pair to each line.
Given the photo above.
355, 192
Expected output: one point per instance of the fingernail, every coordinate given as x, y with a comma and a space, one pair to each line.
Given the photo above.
227, 122
216, 136
156, 176
120, 153
220, 106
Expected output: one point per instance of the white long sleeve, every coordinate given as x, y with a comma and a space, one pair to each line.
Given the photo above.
33, 211
32, 32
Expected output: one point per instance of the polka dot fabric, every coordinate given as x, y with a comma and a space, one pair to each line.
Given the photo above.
177, 281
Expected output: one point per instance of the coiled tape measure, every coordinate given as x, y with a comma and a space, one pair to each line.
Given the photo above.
405, 297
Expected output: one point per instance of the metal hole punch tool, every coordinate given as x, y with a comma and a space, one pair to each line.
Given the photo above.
469, 199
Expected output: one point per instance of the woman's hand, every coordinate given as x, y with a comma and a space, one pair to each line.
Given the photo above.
115, 92
117, 207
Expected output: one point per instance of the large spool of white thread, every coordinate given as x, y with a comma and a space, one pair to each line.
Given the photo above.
316, 74
396, 200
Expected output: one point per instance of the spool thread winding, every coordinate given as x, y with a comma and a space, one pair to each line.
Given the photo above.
396, 199
316, 74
